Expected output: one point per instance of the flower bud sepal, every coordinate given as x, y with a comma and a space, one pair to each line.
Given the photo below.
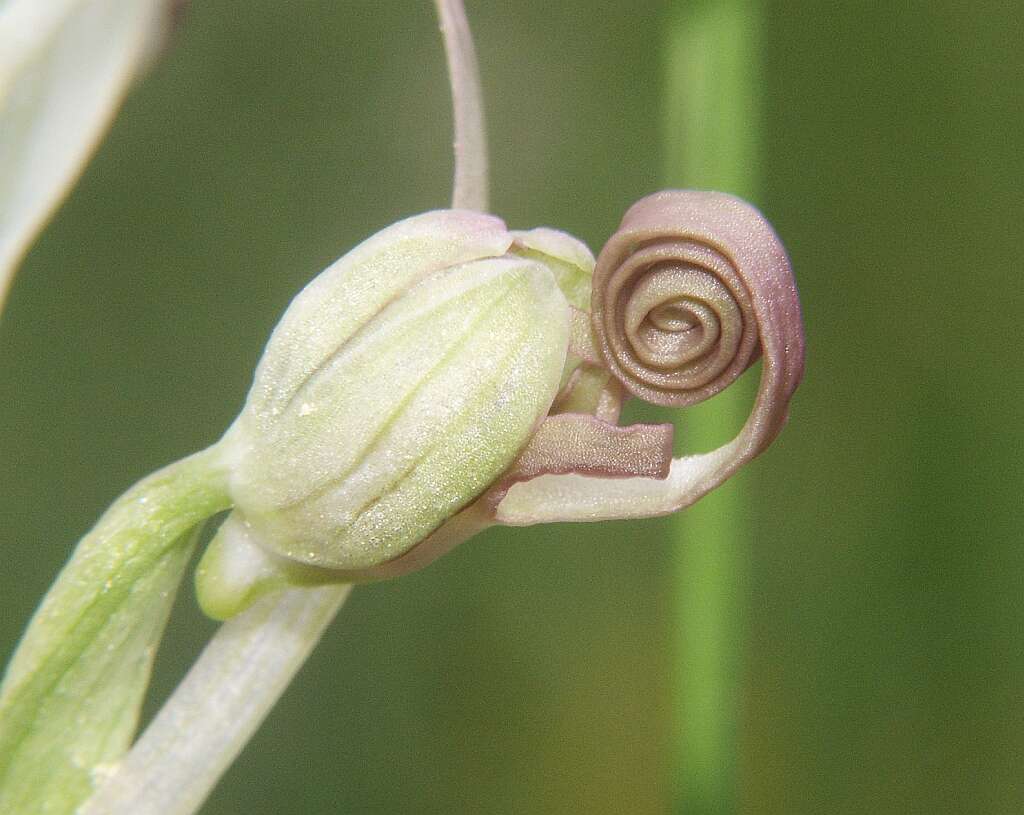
235, 571
397, 388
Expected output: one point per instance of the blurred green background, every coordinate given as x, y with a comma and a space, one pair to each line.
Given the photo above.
531, 670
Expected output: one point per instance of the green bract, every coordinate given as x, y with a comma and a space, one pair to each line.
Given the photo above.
400, 383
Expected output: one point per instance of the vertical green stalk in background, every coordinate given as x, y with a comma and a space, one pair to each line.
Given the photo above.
711, 137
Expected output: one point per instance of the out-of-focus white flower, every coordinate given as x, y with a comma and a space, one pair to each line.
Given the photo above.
65, 66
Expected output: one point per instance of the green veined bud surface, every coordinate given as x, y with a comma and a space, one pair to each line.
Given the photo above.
399, 384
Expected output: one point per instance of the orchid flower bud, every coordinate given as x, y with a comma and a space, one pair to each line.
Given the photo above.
398, 386
447, 375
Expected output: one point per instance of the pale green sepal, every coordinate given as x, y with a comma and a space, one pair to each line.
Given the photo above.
340, 301
234, 571
572, 265
409, 421
569, 259
70, 700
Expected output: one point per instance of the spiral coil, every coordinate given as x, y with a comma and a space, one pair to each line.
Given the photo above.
687, 293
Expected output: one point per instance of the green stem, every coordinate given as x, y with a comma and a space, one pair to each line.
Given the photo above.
71, 696
711, 128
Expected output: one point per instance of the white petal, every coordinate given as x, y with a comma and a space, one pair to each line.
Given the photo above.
64, 68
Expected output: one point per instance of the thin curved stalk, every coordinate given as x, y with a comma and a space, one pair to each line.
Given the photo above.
469, 190
712, 117
218, 706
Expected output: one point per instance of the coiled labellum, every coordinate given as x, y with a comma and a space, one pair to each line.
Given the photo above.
690, 290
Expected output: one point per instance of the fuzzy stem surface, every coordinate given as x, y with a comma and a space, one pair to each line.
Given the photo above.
215, 710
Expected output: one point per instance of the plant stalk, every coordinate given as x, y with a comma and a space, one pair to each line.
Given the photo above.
712, 119
470, 185
216, 709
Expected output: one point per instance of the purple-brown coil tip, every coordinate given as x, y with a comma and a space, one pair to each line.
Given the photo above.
687, 293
